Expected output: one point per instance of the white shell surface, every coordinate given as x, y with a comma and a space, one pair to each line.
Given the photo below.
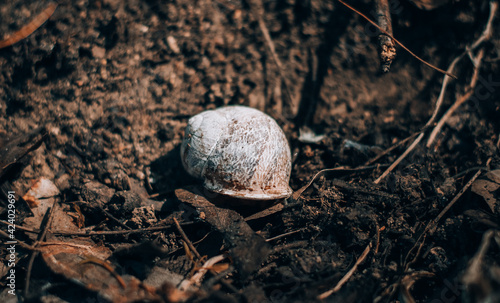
238, 151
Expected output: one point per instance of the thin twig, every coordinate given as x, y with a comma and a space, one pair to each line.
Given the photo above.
284, 235
348, 275
395, 40
346, 169
41, 237
29, 28
488, 31
430, 227
17, 242
186, 239
99, 233
401, 158
198, 256
409, 280
107, 267
186, 284
109, 215
393, 147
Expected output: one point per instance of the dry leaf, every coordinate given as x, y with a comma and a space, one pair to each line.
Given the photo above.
488, 188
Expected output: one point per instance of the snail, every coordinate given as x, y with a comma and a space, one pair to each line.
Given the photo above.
239, 152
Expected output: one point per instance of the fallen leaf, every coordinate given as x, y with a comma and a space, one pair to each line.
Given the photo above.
488, 188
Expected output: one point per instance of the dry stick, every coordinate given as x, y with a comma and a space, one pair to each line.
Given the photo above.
387, 47
98, 233
299, 192
408, 281
49, 216
459, 101
29, 28
108, 268
284, 235
486, 33
395, 40
196, 278
347, 275
186, 239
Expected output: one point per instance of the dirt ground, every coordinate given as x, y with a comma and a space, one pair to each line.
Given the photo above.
96, 100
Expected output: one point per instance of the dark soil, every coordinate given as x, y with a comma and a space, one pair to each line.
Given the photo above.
113, 83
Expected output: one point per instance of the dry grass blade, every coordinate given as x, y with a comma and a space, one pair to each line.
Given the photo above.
29, 28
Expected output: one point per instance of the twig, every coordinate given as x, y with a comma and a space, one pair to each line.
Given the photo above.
430, 227
472, 274
387, 47
459, 101
106, 213
486, 33
401, 158
17, 242
186, 239
409, 280
29, 28
49, 216
347, 275
284, 235
299, 192
393, 147
99, 233
196, 278
107, 267
395, 40
198, 256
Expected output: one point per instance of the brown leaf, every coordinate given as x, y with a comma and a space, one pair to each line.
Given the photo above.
488, 188
85, 263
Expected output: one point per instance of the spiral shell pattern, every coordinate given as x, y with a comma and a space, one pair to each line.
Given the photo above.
238, 151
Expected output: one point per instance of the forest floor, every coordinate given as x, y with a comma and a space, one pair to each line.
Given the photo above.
93, 109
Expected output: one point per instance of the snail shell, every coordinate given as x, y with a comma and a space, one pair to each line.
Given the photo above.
238, 151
